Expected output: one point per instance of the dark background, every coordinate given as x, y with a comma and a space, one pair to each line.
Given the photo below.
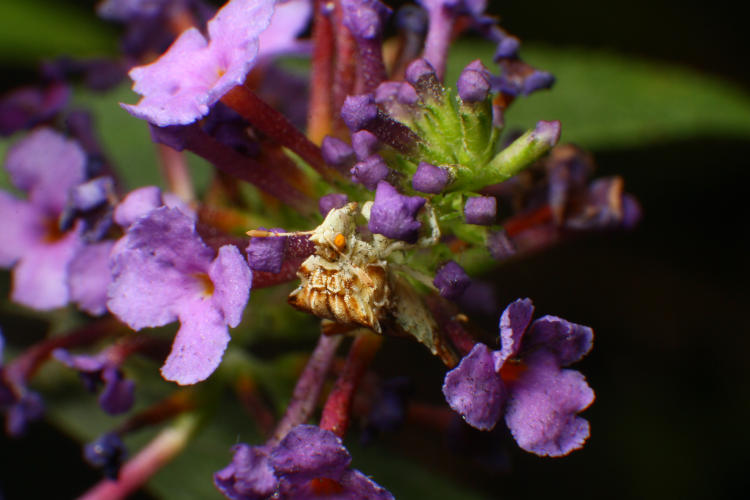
668, 302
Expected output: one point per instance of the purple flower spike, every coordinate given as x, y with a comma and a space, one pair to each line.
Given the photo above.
394, 215
267, 253
248, 476
370, 171
194, 73
474, 390
360, 112
481, 210
474, 83
28, 106
365, 144
507, 47
331, 201
430, 179
542, 410
163, 272
336, 152
451, 280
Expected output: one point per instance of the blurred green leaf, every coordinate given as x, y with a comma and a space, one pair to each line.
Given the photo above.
34, 29
606, 100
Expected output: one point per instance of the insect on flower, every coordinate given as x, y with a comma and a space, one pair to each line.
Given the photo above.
348, 279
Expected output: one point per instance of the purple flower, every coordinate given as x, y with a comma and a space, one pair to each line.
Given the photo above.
118, 393
336, 152
430, 178
394, 215
194, 73
47, 166
106, 453
163, 272
451, 280
474, 83
267, 253
370, 171
525, 381
481, 210
309, 463
365, 144
290, 18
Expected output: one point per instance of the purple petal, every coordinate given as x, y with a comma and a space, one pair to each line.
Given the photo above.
40, 278
500, 246
289, 21
180, 86
358, 111
118, 393
232, 280
80, 362
137, 204
309, 452
365, 144
543, 406
451, 280
46, 165
336, 152
481, 210
513, 322
568, 342
199, 345
89, 276
474, 390
365, 18
23, 228
267, 253
157, 266
430, 179
248, 476
394, 215
359, 486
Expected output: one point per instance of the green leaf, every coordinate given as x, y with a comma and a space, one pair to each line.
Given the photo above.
608, 100
35, 29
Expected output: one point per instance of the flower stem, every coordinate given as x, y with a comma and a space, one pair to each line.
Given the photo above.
308, 387
337, 410
175, 170
275, 126
159, 452
320, 114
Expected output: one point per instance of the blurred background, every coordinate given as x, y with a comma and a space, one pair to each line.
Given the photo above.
658, 91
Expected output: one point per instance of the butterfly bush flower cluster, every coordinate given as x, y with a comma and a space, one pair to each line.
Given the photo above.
375, 186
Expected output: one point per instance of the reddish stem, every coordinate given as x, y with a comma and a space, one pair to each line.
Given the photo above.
175, 170
521, 222
276, 127
337, 411
320, 113
252, 401
25, 366
344, 72
307, 390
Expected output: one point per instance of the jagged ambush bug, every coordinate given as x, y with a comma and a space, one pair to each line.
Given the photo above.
351, 280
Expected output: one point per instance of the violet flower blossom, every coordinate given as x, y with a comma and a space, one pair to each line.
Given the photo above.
195, 73
162, 272
33, 243
309, 463
525, 381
